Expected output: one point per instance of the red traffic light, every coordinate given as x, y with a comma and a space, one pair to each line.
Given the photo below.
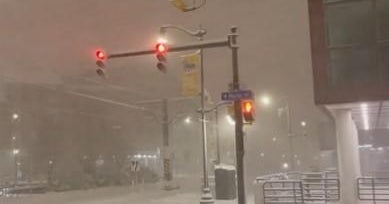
100, 55
248, 111
161, 48
160, 51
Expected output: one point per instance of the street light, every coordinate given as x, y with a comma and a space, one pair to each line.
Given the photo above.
15, 152
285, 165
266, 100
15, 116
206, 192
188, 120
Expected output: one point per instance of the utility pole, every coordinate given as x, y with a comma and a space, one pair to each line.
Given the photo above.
167, 153
218, 160
167, 164
239, 142
290, 136
206, 197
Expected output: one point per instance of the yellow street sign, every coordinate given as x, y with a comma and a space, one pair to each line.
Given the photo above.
179, 4
191, 75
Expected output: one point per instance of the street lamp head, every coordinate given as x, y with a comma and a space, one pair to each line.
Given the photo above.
15, 116
15, 151
188, 120
303, 123
265, 100
285, 165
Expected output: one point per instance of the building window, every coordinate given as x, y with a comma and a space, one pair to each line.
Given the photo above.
350, 23
383, 19
358, 39
352, 66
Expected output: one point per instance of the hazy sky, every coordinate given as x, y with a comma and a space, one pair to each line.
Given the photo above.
49, 42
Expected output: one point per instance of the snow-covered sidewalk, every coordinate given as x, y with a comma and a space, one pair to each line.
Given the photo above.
147, 194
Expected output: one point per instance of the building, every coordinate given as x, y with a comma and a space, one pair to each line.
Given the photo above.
350, 50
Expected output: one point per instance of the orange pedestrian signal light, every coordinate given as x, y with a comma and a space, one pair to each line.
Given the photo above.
248, 111
248, 107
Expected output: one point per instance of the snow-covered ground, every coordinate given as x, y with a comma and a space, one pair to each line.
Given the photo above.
143, 194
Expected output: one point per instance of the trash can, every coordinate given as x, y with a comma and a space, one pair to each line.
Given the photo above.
225, 182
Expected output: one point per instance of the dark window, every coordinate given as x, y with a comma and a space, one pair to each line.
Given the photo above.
350, 22
383, 18
384, 55
353, 66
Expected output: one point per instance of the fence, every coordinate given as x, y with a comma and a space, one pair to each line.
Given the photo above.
287, 191
373, 189
318, 187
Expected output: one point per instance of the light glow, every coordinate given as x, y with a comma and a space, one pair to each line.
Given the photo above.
162, 40
366, 146
365, 116
100, 55
188, 120
230, 120
15, 116
265, 100
16, 151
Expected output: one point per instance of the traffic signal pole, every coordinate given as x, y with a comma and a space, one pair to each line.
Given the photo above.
230, 42
239, 141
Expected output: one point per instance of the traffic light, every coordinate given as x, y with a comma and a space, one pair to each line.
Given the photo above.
160, 51
248, 111
101, 57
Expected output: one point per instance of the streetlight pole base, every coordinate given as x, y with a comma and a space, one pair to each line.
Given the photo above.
206, 197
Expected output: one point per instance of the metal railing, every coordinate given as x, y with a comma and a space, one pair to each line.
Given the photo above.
287, 191
373, 189
321, 189
315, 187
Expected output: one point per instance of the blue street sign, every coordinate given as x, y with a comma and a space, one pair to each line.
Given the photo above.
237, 95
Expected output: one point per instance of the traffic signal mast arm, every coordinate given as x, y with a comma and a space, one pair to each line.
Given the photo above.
230, 42
193, 46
